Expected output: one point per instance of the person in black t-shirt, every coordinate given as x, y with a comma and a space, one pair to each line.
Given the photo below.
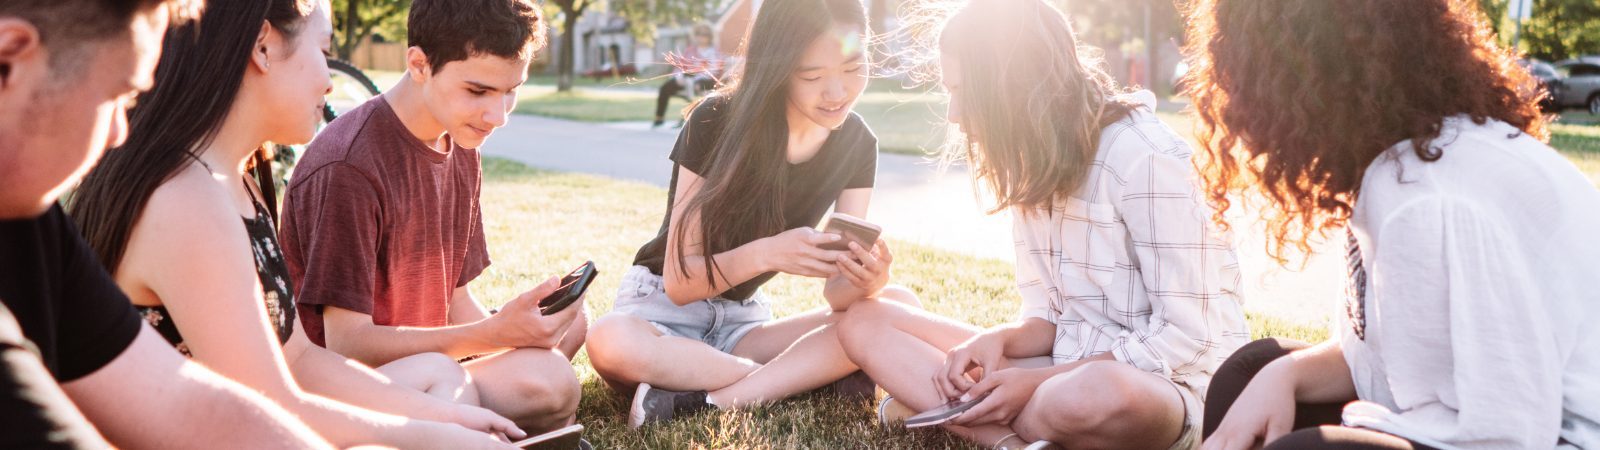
67, 71
756, 166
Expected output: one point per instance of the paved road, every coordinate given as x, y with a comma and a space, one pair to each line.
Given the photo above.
913, 201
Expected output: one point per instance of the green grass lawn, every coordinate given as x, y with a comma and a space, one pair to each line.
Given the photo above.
542, 223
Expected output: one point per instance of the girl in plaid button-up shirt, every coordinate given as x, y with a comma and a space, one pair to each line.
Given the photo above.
1130, 296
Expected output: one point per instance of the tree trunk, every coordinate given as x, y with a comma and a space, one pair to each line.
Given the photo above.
352, 22
564, 66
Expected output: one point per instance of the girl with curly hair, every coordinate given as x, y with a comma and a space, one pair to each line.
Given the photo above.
1130, 295
1472, 256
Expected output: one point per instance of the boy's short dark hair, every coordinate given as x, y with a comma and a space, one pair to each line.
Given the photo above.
64, 25
453, 30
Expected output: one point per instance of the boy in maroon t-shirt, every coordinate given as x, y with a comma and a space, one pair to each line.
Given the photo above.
382, 227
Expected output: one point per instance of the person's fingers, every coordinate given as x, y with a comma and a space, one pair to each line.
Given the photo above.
883, 251
850, 274
530, 298
821, 268
846, 264
956, 373
816, 238
941, 379
981, 387
979, 413
868, 261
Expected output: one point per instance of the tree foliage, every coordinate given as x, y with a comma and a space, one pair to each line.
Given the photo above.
355, 20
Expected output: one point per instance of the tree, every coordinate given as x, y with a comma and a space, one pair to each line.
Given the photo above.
355, 20
1144, 23
570, 11
643, 16
1559, 29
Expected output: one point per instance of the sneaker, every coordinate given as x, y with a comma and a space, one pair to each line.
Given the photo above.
891, 412
657, 123
651, 405
854, 386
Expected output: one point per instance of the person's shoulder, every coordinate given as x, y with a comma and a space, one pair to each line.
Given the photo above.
858, 134
350, 138
710, 110
1140, 136
193, 208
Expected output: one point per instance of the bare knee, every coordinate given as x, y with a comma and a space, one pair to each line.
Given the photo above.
551, 395
1091, 402
900, 294
864, 318
613, 342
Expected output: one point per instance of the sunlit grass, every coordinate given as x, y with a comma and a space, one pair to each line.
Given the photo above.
540, 224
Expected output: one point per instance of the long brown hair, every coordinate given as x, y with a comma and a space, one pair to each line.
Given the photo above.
741, 197
201, 69
1035, 98
1298, 97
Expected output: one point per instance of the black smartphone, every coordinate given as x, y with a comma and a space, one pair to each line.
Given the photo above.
851, 229
572, 287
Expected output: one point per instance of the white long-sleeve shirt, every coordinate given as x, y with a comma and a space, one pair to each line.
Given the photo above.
1479, 317
1131, 264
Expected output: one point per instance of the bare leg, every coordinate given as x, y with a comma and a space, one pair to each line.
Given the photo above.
1104, 405
902, 348
627, 350
799, 353
435, 374
573, 341
536, 388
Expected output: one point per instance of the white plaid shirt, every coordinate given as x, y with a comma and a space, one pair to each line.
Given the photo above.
1132, 264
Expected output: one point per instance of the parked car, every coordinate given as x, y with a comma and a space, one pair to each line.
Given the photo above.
1548, 81
1579, 85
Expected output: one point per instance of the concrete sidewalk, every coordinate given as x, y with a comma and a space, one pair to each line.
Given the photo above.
913, 201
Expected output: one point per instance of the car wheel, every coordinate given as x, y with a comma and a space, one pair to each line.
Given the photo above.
1594, 104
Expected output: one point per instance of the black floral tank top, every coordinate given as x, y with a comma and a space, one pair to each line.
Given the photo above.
270, 266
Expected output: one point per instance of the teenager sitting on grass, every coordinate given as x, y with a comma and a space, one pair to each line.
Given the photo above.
192, 238
1473, 256
383, 229
68, 70
755, 167
1130, 298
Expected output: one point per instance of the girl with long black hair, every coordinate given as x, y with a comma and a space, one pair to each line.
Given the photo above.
757, 165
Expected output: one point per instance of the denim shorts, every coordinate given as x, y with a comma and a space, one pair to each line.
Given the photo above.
717, 321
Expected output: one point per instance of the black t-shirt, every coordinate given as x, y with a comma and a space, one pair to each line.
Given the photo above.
848, 159
66, 303
34, 412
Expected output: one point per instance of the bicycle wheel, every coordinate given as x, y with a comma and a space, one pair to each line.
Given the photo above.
351, 88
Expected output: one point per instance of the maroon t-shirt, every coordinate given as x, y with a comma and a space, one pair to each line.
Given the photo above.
377, 222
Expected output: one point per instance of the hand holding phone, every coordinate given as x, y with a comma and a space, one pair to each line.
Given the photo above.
942, 413
851, 229
572, 288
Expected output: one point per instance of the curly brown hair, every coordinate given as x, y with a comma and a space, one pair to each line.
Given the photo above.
1298, 97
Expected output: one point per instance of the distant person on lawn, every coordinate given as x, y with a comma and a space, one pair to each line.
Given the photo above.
696, 70
1403, 129
758, 164
1130, 297
383, 229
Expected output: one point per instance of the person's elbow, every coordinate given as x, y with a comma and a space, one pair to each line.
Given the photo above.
342, 333
680, 292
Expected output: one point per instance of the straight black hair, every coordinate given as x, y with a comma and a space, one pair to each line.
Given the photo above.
196, 82
741, 198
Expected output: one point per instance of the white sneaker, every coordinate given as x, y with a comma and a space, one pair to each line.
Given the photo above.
891, 412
